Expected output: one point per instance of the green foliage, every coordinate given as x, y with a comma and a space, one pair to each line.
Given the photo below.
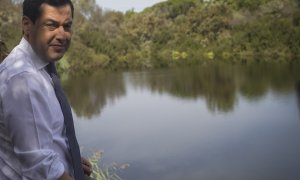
10, 16
104, 172
249, 4
174, 32
174, 8
81, 57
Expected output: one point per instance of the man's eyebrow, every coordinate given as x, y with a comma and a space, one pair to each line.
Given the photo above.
51, 20
56, 22
68, 22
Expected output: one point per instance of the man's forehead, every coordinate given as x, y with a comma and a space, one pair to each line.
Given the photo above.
63, 12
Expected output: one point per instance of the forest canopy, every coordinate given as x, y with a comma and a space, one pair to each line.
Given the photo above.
172, 33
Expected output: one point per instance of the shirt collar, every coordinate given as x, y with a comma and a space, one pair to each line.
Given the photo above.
36, 60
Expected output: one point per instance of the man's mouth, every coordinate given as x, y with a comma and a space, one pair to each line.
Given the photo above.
58, 47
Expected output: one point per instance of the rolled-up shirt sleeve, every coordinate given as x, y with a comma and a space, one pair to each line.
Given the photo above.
27, 115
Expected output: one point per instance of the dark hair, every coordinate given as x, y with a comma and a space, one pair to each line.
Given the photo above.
32, 8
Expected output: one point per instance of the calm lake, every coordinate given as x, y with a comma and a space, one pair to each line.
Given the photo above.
207, 122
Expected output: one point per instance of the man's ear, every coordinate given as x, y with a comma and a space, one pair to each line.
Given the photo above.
26, 26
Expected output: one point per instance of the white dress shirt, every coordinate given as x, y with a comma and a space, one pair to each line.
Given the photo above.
33, 144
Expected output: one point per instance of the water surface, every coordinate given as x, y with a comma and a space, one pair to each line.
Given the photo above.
209, 122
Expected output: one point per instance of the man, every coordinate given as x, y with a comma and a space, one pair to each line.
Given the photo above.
34, 141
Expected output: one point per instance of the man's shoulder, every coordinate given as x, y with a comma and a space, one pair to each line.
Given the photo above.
15, 64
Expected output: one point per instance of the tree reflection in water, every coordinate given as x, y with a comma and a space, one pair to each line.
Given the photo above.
297, 85
88, 95
218, 83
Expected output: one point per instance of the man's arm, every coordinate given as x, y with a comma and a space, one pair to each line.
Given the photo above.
26, 117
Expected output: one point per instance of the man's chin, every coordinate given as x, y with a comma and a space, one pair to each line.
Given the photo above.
55, 57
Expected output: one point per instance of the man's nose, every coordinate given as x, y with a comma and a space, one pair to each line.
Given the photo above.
62, 34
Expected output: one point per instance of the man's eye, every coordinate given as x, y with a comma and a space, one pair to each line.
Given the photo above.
68, 27
51, 26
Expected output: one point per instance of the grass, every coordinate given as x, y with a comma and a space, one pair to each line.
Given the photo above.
105, 172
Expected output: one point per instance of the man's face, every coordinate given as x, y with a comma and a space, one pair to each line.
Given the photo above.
50, 35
